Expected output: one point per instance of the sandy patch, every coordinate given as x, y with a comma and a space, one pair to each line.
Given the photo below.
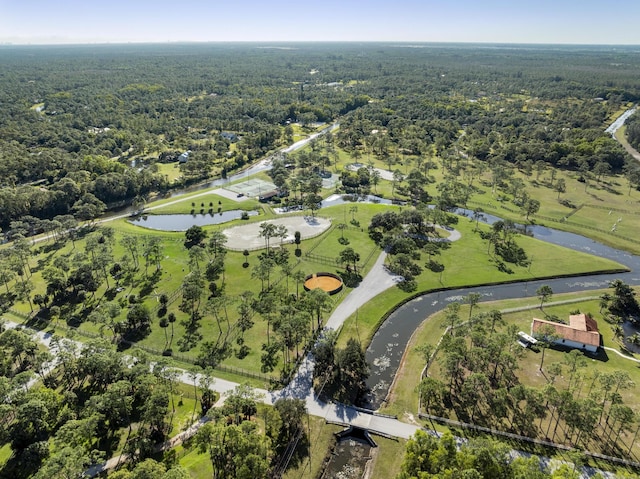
248, 236
325, 283
384, 174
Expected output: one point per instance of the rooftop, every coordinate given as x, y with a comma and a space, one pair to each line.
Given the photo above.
581, 329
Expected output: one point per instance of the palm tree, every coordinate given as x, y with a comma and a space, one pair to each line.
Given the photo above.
318, 301
171, 317
604, 301
634, 339
472, 299
546, 336
349, 255
618, 332
544, 292
299, 276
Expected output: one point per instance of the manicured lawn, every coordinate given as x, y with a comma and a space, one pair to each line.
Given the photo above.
404, 397
595, 201
204, 203
467, 263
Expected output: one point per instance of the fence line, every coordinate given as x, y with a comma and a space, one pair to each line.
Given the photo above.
318, 258
369, 256
177, 356
171, 298
531, 440
564, 219
317, 243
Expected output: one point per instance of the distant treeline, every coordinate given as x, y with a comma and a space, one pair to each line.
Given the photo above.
74, 117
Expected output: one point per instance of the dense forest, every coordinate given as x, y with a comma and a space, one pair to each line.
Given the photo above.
85, 127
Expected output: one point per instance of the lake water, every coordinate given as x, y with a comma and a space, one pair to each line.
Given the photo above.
184, 222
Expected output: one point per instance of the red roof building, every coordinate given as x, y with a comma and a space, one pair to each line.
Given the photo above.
581, 332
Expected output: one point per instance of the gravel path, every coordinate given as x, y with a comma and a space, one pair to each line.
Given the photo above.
375, 282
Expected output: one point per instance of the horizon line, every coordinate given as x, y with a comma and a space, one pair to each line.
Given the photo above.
5, 43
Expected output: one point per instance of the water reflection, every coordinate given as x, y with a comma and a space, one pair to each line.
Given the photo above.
184, 222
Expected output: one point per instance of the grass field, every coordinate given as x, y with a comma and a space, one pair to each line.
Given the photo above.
404, 398
204, 203
594, 198
170, 170
387, 457
5, 453
466, 264
476, 267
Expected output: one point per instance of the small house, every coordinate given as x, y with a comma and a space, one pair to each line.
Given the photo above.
264, 197
183, 158
581, 332
229, 136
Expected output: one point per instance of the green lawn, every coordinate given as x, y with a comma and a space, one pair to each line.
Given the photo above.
204, 203
467, 263
5, 454
170, 170
596, 198
404, 398
387, 457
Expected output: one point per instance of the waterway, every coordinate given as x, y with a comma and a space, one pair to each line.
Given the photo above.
389, 342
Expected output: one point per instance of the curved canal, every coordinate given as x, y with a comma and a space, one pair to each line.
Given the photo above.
388, 344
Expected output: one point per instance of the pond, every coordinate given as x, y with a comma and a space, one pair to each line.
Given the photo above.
184, 222
631, 328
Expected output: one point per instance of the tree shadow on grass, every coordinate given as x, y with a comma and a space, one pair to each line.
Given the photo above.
351, 279
191, 337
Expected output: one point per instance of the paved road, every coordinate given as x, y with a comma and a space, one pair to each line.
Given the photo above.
378, 280
375, 282
616, 125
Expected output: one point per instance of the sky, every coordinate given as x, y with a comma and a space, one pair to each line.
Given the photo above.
485, 21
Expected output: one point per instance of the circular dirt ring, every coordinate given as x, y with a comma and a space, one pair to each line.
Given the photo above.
329, 282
